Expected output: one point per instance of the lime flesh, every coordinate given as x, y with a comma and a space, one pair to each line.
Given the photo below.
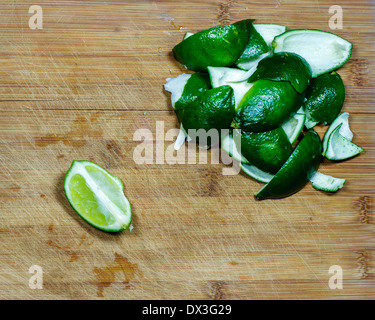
97, 196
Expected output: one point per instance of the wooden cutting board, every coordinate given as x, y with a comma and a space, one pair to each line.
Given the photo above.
80, 87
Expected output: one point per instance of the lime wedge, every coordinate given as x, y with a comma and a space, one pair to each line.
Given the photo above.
344, 130
325, 97
266, 106
97, 196
339, 147
213, 109
284, 66
217, 46
324, 51
326, 183
267, 150
296, 171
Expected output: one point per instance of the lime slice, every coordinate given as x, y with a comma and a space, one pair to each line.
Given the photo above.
344, 130
216, 47
256, 173
97, 196
294, 125
324, 51
326, 183
325, 97
233, 77
268, 32
296, 171
229, 146
267, 150
284, 66
266, 106
339, 147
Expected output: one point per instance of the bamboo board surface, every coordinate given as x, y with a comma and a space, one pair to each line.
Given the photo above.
80, 87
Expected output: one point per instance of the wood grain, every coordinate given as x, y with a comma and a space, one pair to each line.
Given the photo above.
81, 87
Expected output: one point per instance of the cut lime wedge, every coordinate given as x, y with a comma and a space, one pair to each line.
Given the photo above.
326, 183
294, 125
233, 77
324, 51
344, 130
325, 97
97, 196
339, 147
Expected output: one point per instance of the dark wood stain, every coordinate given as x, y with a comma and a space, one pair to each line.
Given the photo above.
106, 276
66, 249
74, 138
217, 289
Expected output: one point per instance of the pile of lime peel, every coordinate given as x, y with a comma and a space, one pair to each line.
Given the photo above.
270, 87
